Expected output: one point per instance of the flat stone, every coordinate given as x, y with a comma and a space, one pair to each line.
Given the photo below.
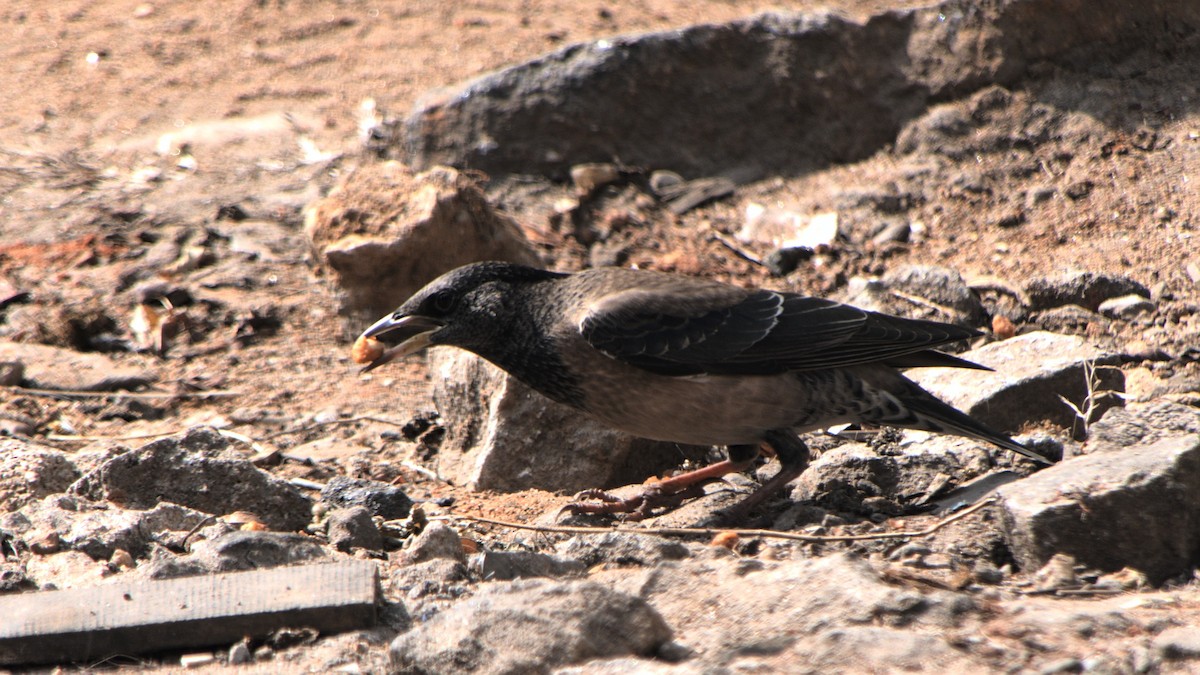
756, 598
1129, 508
1030, 372
507, 565
1141, 424
47, 367
530, 626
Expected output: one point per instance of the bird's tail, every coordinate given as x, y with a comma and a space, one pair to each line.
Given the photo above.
922, 410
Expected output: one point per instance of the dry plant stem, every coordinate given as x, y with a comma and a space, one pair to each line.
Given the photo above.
64, 393
234, 435
711, 531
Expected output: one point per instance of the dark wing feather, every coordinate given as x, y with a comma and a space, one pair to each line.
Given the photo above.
687, 331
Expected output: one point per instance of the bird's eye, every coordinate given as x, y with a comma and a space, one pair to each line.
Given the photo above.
442, 301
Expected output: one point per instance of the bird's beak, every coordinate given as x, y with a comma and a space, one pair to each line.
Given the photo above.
409, 334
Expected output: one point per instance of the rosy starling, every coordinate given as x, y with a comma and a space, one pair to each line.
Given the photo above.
688, 360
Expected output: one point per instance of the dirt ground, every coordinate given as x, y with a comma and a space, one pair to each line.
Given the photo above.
91, 87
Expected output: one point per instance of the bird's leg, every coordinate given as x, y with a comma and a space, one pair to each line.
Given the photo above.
793, 457
665, 493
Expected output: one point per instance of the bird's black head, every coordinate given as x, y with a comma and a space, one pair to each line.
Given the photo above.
468, 307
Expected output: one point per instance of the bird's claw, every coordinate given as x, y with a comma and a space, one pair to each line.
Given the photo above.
635, 508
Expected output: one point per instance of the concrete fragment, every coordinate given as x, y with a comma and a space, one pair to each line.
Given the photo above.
502, 435
99, 529
29, 472
196, 470
1109, 510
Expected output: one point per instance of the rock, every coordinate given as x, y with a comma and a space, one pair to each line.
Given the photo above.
531, 626
849, 476
1031, 371
100, 529
502, 435
1178, 643
621, 548
879, 649
197, 470
386, 232
1141, 424
806, 596
1109, 510
942, 286
29, 472
438, 540
849, 98
1086, 289
379, 499
68, 569
264, 240
48, 367
11, 373
235, 551
508, 565
353, 527
1126, 307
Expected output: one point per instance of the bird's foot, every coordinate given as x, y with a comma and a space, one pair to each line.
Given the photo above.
635, 508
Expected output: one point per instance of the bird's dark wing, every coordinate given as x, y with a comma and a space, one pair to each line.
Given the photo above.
720, 330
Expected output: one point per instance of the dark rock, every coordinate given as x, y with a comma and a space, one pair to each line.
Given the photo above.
1127, 307
839, 88
508, 565
1031, 371
621, 548
942, 286
1109, 510
197, 470
843, 479
531, 626
492, 420
353, 527
380, 499
1086, 289
238, 550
